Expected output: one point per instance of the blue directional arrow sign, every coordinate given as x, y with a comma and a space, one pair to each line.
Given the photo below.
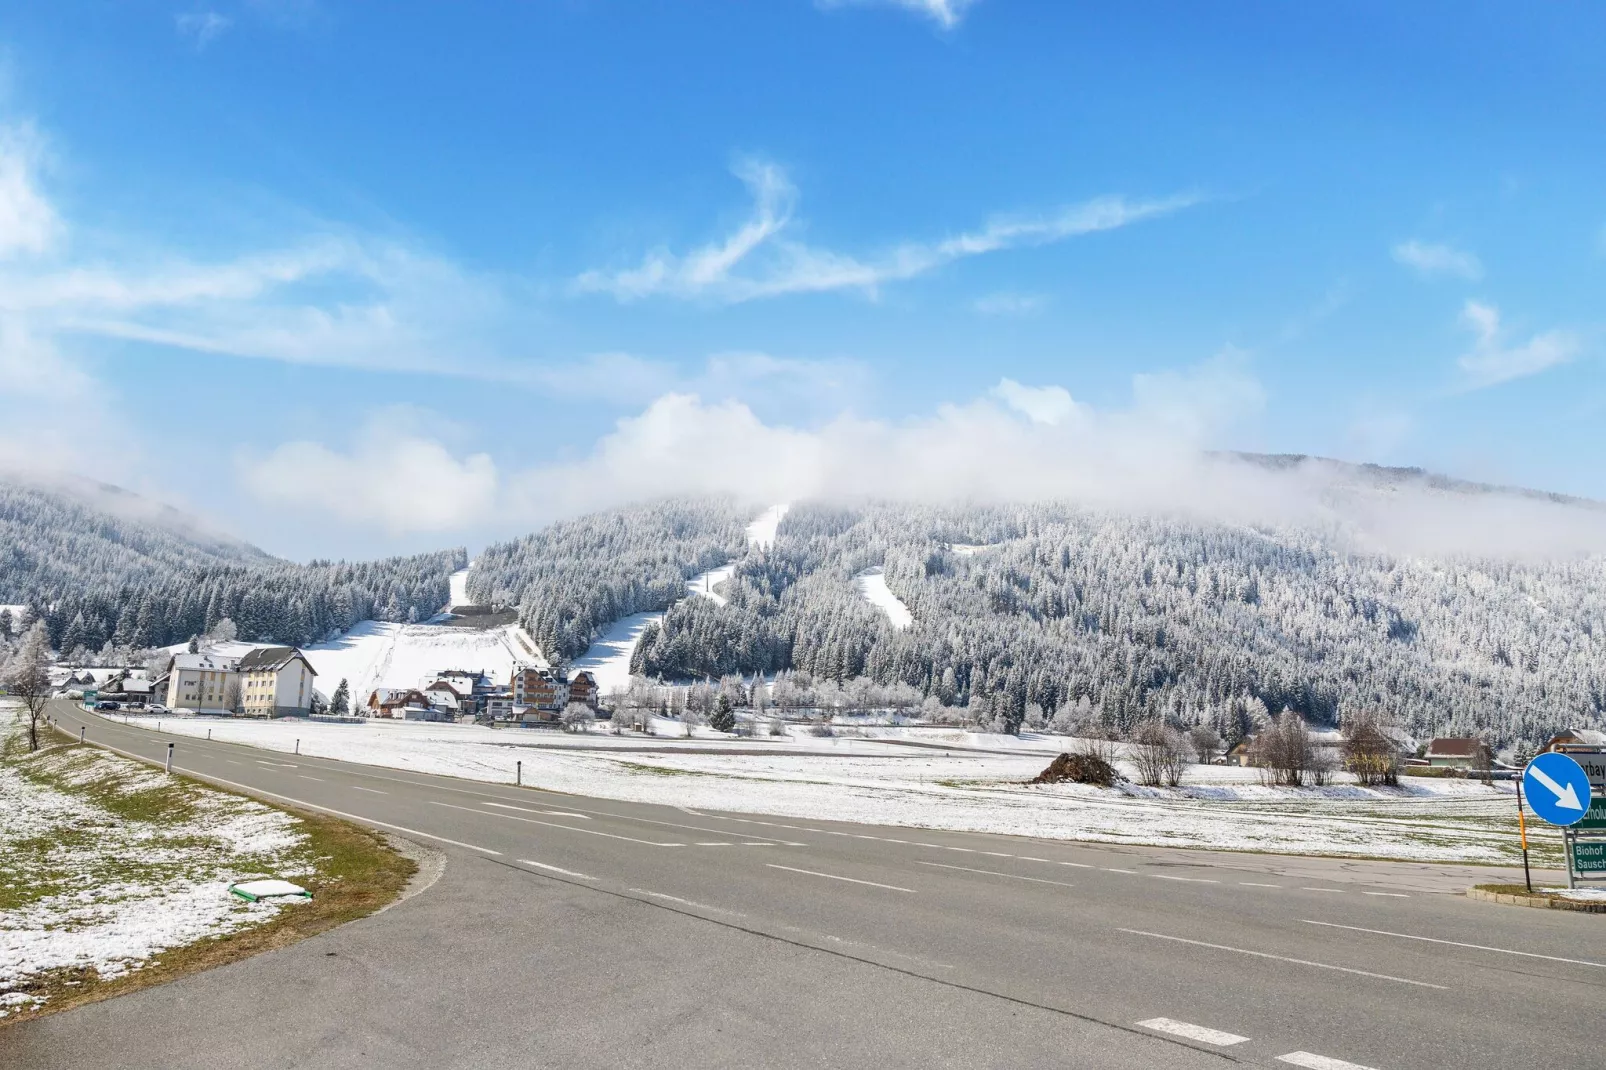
1557, 788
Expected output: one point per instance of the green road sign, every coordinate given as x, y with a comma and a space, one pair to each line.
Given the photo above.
1589, 856
1594, 766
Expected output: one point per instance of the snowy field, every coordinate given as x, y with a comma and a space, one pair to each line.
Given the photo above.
965, 788
872, 584
761, 532
113, 887
375, 654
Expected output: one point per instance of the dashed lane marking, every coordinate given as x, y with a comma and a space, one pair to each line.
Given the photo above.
371, 791
835, 877
527, 810
996, 873
1190, 880
1391, 895
1340, 891
1252, 884
1318, 1062
1285, 958
1456, 943
688, 902
555, 825
304, 776
556, 869
1200, 1033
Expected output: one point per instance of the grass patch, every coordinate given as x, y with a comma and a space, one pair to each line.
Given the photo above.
350, 870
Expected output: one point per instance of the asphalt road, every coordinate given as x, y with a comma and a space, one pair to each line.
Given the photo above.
575, 932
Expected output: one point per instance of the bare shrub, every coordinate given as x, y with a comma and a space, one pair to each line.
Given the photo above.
1159, 753
1369, 752
1206, 743
1286, 753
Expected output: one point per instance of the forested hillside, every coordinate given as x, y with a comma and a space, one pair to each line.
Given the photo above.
573, 578
103, 568
1025, 612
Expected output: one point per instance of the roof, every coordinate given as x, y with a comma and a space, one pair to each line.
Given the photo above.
206, 661
1457, 747
269, 658
1592, 736
442, 685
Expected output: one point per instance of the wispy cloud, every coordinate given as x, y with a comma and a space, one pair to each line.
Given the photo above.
1009, 304
761, 258
1491, 361
1437, 260
945, 13
202, 27
28, 224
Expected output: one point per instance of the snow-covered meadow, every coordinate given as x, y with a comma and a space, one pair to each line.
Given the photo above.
964, 784
376, 654
105, 864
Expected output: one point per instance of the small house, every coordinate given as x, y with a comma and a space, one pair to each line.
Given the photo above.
1459, 752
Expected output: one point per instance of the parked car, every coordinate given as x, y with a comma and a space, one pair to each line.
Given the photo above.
107, 704
156, 707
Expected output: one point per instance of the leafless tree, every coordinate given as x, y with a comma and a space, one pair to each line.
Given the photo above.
1159, 752
1370, 753
577, 717
1095, 742
1206, 742
27, 677
1287, 753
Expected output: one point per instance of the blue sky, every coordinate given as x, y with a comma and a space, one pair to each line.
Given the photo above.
352, 278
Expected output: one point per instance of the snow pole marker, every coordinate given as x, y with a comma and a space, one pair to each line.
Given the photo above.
1522, 830
169, 758
518, 774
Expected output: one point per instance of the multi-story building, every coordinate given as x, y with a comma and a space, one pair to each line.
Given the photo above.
539, 688
583, 689
204, 681
276, 681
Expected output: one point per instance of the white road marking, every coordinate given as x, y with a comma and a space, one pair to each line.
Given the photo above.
1029, 858
1456, 943
1338, 890
555, 869
1111, 869
713, 843
371, 791
1391, 895
527, 810
850, 880
1193, 1032
304, 776
554, 824
231, 761
688, 902
1190, 880
1252, 884
1318, 1062
1079, 865
1285, 958
996, 873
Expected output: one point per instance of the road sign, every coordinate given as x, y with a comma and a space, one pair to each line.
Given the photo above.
1594, 766
1589, 856
1556, 788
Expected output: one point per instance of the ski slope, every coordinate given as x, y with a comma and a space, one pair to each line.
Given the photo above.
376, 654
872, 585
459, 581
608, 658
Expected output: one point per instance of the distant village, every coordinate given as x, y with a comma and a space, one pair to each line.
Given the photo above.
269, 681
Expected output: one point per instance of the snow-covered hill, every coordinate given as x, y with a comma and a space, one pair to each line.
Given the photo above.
375, 654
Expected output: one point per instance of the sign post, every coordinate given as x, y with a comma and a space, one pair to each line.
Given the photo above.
1559, 791
1522, 831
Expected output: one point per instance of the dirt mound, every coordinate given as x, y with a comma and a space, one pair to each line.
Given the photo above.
1078, 769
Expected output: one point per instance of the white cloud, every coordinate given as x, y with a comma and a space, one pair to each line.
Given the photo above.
1040, 404
945, 13
28, 224
1009, 304
393, 479
1016, 442
1491, 362
202, 27
1431, 260
761, 259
